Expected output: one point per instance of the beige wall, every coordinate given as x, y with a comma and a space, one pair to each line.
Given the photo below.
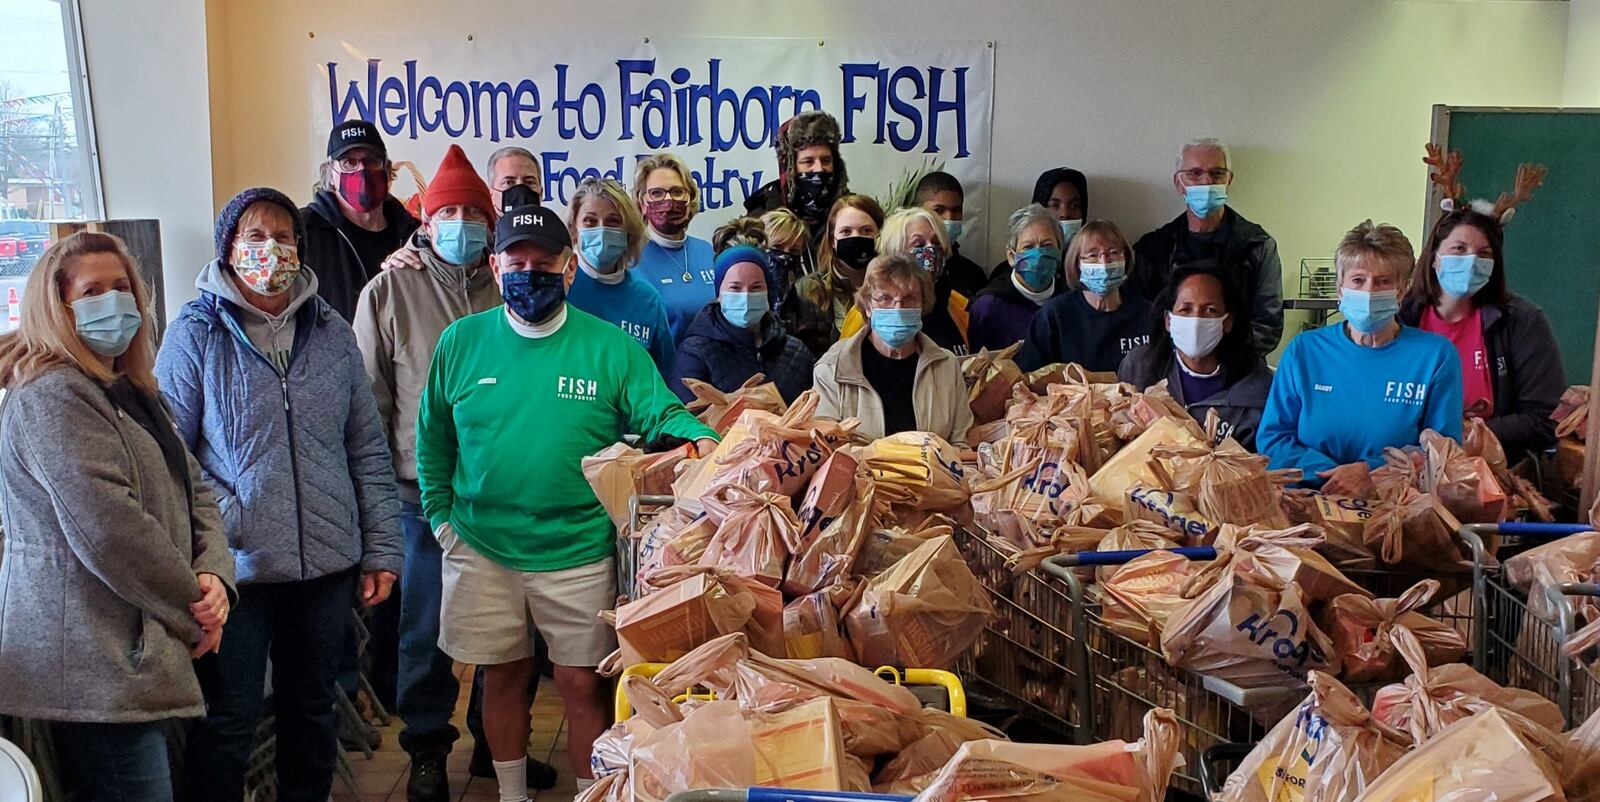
1326, 103
1582, 87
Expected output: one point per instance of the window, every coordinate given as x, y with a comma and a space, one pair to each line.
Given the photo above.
47, 165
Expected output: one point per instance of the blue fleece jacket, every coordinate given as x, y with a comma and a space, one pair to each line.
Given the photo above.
683, 275
634, 306
1334, 402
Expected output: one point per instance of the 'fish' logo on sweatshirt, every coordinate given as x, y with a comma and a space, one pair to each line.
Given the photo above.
574, 389
640, 331
1408, 393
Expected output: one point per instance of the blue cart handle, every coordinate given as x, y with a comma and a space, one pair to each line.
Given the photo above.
760, 794
1541, 531
1084, 558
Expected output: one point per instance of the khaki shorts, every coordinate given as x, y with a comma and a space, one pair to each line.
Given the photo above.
490, 612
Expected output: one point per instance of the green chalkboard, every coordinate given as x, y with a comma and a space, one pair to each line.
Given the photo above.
1553, 244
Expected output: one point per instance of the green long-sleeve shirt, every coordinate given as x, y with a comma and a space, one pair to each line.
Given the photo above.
506, 420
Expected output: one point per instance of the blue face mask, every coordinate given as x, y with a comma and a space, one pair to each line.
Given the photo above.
896, 327
1037, 267
107, 322
1463, 274
459, 241
1369, 312
533, 295
602, 248
745, 309
1102, 279
1069, 229
1205, 198
953, 229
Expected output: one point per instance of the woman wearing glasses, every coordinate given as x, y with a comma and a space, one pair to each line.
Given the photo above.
1212, 236
677, 265
1096, 325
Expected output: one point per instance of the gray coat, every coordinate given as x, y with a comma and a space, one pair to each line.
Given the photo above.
101, 553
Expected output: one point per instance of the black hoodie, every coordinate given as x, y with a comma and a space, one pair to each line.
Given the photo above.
1048, 180
330, 248
1240, 248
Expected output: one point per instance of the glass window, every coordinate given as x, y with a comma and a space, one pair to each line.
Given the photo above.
47, 168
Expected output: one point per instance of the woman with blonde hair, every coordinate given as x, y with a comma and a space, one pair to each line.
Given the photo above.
920, 235
890, 375
677, 265
1097, 324
787, 242
822, 299
116, 573
1344, 393
608, 235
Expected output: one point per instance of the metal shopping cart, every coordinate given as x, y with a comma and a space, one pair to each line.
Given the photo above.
1513, 643
933, 687
641, 511
1029, 651
758, 794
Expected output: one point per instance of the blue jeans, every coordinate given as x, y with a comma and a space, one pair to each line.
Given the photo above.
117, 762
427, 692
304, 628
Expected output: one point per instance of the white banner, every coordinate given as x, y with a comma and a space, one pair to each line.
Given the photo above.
596, 107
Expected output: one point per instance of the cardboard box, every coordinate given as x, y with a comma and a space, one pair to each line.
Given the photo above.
802, 747
668, 623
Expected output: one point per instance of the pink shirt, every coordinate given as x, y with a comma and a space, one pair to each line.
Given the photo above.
1477, 383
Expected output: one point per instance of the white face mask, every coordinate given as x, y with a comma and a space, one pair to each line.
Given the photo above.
1195, 337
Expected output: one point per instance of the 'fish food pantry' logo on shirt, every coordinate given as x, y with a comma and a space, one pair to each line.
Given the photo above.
1408, 393
574, 389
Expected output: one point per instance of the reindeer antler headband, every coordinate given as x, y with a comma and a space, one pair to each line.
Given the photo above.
1445, 171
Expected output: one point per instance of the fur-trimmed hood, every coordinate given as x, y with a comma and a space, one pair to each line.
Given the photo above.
803, 131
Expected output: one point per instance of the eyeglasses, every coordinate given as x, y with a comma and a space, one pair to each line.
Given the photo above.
1098, 257
351, 164
1197, 175
662, 193
881, 301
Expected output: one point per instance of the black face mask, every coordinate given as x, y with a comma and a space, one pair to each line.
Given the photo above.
533, 295
785, 266
814, 193
854, 253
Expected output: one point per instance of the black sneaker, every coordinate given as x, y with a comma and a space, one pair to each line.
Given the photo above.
541, 775
429, 782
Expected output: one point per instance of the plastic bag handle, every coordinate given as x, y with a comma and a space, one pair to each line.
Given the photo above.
1121, 557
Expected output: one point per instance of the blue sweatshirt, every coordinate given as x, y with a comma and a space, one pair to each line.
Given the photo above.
633, 305
1334, 402
683, 275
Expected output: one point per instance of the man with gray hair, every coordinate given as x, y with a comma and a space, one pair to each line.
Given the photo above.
1212, 236
513, 166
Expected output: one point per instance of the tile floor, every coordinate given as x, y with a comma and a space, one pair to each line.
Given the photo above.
383, 778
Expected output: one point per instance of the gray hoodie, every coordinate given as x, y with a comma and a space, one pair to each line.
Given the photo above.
272, 335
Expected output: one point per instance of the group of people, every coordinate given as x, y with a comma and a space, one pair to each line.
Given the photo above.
362, 404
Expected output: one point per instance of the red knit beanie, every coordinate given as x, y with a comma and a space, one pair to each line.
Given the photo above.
456, 182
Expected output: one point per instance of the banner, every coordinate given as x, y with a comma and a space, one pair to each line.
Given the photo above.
595, 107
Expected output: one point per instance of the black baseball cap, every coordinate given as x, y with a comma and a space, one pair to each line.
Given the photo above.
352, 134
534, 224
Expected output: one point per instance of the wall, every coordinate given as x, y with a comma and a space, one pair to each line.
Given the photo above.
1327, 104
148, 86
1582, 87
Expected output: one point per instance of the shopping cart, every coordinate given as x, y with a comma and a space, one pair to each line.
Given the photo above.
641, 510
1029, 650
933, 687
758, 794
1513, 644
1130, 678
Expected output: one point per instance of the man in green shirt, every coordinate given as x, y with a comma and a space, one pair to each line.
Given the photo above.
516, 397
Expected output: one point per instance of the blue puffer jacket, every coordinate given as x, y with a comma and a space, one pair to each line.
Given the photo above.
298, 459
724, 355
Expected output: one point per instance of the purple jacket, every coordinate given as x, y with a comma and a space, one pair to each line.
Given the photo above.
1000, 315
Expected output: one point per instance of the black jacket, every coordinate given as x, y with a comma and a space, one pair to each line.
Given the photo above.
1043, 186
1249, 255
1525, 366
715, 351
331, 255
1239, 407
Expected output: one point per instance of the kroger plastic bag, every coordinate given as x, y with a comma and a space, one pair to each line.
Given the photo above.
1361, 628
922, 464
1327, 750
711, 665
1142, 595
990, 376
1433, 698
719, 410
1111, 771
1248, 619
924, 611
756, 534
711, 748
1482, 758
811, 628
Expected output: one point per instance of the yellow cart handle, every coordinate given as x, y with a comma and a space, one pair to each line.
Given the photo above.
957, 695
